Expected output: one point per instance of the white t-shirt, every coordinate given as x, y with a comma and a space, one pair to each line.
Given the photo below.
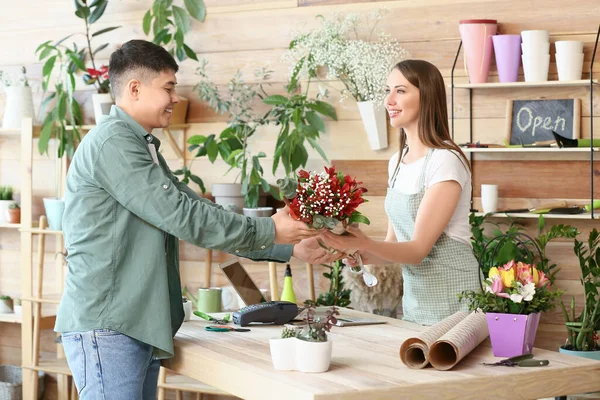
444, 165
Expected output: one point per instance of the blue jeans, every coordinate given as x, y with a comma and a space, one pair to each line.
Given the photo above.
107, 365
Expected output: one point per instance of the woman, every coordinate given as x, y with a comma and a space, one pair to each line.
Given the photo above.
427, 201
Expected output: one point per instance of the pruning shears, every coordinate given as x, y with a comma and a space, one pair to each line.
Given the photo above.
225, 328
207, 317
526, 360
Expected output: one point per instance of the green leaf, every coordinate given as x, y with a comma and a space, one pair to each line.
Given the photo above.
98, 11
48, 66
46, 101
63, 39
45, 134
275, 100
196, 8
324, 108
197, 139
180, 53
83, 12
178, 38
357, 217
62, 106
43, 45
182, 19
189, 52
299, 157
318, 148
212, 149
541, 223
100, 48
160, 36
146, 22
101, 31
265, 186
76, 60
315, 121
256, 164
198, 182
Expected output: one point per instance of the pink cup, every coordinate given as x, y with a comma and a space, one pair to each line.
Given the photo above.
507, 49
476, 35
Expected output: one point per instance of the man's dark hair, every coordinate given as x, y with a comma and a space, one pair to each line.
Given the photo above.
138, 59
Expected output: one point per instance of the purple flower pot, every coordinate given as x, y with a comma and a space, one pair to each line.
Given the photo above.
512, 334
507, 49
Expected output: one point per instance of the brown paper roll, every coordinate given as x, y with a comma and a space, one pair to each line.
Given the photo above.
448, 350
414, 351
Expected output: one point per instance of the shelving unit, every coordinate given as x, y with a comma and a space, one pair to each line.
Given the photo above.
591, 83
535, 216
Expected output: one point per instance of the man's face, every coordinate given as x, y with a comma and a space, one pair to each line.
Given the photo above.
156, 100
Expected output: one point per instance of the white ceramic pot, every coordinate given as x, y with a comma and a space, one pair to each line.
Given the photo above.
6, 306
535, 49
283, 353
536, 67
535, 36
374, 121
18, 309
570, 66
187, 309
313, 356
4, 210
102, 103
568, 47
19, 105
229, 195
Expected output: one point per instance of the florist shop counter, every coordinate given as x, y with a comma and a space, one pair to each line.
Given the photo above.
366, 365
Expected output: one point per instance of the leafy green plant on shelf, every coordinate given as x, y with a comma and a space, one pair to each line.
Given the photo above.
170, 23
582, 330
6, 192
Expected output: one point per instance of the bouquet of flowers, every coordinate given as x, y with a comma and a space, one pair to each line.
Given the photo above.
514, 288
327, 200
324, 200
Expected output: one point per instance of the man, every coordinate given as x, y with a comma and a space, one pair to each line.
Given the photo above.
124, 213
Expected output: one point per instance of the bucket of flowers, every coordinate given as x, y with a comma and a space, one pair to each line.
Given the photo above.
327, 200
513, 296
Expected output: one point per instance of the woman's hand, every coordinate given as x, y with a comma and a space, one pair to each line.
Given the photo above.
355, 239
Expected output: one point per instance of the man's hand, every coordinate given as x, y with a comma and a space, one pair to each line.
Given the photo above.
288, 231
311, 252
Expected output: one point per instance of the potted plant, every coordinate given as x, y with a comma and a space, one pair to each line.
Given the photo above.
513, 295
346, 48
6, 305
63, 122
14, 214
232, 143
307, 349
19, 100
582, 330
6, 199
169, 24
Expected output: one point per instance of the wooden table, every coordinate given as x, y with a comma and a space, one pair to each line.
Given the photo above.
366, 365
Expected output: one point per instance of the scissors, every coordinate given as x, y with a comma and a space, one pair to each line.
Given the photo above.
225, 328
525, 360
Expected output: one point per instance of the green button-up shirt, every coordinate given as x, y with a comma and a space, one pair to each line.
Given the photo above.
123, 215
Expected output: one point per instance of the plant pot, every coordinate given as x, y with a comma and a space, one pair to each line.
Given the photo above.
14, 215
507, 49
18, 309
313, 356
19, 105
476, 35
374, 121
180, 111
6, 306
4, 210
283, 353
512, 334
593, 355
187, 310
102, 103
229, 195
54, 212
258, 212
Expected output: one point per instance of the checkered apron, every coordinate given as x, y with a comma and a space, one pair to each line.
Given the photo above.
430, 288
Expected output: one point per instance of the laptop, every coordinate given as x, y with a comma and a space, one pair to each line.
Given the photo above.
251, 294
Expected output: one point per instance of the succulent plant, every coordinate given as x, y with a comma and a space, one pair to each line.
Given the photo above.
6, 193
288, 333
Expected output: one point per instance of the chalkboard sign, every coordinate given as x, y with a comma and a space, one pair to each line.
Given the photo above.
532, 121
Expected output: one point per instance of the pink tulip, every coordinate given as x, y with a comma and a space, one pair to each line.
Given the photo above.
498, 288
543, 281
509, 265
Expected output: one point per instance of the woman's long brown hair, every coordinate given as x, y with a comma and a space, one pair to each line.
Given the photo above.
433, 112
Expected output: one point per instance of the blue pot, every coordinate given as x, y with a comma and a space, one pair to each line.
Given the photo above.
594, 355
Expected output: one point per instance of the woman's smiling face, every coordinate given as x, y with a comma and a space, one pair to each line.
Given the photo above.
401, 100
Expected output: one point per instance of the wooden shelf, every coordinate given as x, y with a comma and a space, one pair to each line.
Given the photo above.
47, 299
10, 226
183, 383
38, 231
547, 216
500, 85
528, 150
47, 320
58, 366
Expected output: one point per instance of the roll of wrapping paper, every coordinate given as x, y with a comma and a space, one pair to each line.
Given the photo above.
414, 351
459, 341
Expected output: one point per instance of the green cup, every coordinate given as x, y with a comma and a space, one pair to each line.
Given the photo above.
209, 300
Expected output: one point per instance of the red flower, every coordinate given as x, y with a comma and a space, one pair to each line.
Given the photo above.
102, 72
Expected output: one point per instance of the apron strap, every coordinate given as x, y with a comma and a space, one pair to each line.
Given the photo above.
421, 184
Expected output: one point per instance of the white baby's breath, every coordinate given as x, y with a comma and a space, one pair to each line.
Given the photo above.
345, 47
